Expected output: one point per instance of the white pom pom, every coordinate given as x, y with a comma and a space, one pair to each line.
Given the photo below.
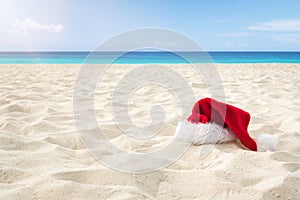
266, 142
198, 134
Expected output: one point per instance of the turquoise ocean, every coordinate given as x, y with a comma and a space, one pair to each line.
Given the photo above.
147, 57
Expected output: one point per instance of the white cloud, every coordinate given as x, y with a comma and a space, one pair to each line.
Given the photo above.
237, 34
287, 38
277, 25
23, 26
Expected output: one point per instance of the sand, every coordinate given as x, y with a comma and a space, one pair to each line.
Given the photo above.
43, 157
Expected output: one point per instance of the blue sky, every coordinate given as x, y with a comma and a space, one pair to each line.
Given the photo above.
81, 25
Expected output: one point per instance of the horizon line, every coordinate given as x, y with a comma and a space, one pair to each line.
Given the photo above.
211, 51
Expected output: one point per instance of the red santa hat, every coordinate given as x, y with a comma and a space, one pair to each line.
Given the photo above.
208, 110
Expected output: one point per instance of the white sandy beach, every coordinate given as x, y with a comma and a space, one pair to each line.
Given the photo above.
42, 156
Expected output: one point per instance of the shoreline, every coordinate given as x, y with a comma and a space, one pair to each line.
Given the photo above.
128, 64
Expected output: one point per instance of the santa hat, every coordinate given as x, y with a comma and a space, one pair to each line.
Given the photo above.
212, 121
